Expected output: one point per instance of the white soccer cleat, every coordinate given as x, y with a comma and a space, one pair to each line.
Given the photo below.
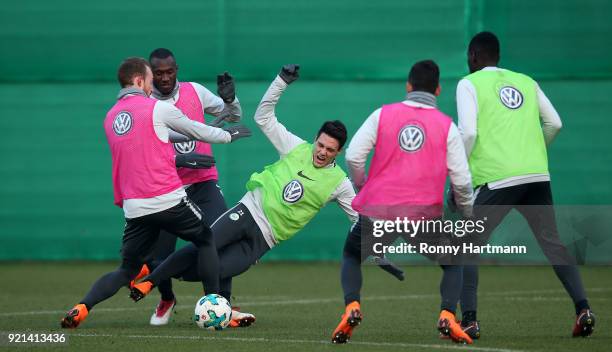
240, 319
163, 312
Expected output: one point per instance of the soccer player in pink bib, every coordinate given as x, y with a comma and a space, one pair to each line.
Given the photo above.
415, 148
146, 184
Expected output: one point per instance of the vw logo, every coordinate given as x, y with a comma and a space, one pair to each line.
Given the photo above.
511, 97
185, 147
411, 138
293, 191
122, 123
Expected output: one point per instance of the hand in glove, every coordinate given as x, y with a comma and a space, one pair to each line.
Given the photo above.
226, 88
290, 73
194, 161
238, 131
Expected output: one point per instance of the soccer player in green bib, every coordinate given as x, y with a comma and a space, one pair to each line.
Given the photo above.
280, 200
507, 123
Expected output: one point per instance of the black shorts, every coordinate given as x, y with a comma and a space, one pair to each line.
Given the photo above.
184, 220
208, 197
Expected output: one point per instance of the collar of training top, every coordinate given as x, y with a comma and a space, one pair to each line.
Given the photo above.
130, 90
159, 96
423, 98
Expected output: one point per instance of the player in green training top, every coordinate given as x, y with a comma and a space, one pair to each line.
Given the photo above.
506, 123
280, 200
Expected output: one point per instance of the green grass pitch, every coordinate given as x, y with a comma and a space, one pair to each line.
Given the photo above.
298, 304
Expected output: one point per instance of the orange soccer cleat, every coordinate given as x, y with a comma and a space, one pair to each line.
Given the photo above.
350, 319
448, 326
141, 290
144, 271
240, 319
74, 317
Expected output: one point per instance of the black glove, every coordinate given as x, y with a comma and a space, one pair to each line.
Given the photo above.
450, 200
290, 73
194, 161
238, 131
226, 88
389, 267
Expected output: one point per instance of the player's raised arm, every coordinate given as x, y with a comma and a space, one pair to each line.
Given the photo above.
226, 106
169, 116
265, 115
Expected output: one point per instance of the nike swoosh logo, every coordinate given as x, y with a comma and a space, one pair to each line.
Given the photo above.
301, 174
192, 163
235, 133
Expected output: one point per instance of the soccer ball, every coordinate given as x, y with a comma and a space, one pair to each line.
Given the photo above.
212, 312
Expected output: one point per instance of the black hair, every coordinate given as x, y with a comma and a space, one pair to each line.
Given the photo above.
424, 76
130, 68
336, 130
160, 53
485, 46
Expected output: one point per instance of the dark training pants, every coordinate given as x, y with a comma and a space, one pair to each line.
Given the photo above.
239, 242
534, 202
358, 247
139, 238
207, 195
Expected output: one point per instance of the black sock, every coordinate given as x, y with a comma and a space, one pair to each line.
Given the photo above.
570, 278
165, 289
468, 317
351, 279
583, 304
450, 287
225, 288
107, 285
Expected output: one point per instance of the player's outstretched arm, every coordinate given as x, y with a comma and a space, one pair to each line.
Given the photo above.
172, 118
175, 137
265, 115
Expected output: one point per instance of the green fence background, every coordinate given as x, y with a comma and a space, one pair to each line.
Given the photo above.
57, 79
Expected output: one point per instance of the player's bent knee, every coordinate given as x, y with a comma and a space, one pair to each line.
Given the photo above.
130, 269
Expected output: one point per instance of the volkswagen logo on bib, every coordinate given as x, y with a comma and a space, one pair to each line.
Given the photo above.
122, 123
411, 138
185, 147
511, 97
293, 191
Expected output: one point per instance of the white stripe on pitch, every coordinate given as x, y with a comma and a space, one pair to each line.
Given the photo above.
508, 294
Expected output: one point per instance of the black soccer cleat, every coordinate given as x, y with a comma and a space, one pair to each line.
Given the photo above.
585, 324
471, 328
